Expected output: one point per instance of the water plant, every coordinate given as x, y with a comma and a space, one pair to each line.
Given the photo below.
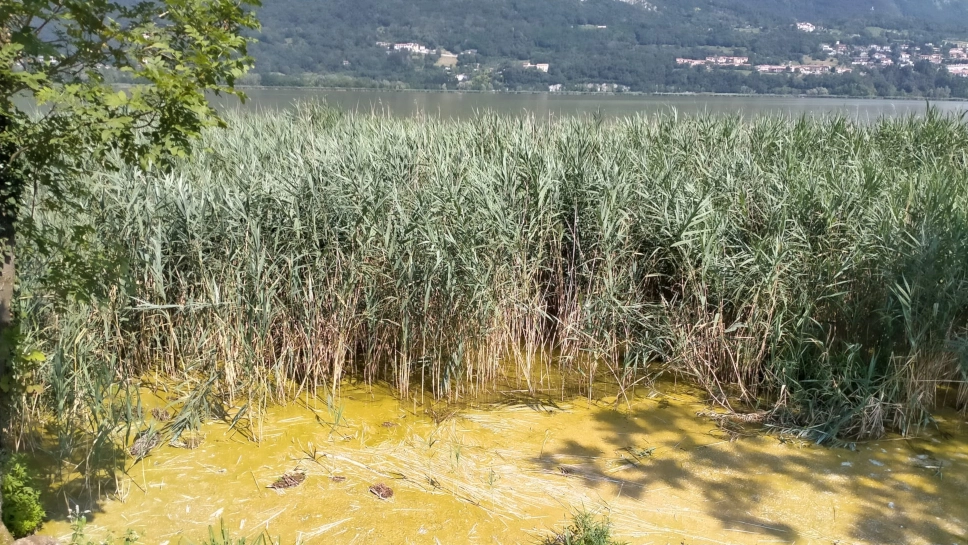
79, 537
220, 537
814, 268
223, 537
585, 529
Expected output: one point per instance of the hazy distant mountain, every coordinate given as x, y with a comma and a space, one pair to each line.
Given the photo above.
946, 11
629, 42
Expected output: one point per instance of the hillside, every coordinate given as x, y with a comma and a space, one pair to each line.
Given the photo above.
629, 44
953, 12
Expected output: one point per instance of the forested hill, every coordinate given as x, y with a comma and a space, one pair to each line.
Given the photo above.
954, 12
624, 43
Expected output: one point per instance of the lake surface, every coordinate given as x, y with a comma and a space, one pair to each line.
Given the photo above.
509, 471
464, 105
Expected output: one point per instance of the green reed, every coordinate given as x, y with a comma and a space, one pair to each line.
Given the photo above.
812, 267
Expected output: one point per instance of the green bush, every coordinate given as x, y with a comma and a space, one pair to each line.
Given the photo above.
22, 512
585, 529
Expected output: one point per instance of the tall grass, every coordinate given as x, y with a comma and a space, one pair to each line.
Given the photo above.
815, 268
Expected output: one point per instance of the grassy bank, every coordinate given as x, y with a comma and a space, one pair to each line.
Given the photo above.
814, 269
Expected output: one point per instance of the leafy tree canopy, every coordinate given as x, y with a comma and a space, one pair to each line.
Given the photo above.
59, 114
53, 54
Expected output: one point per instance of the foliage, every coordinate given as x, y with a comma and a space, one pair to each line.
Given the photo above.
79, 523
176, 49
222, 537
22, 510
22, 379
60, 116
585, 529
53, 54
814, 267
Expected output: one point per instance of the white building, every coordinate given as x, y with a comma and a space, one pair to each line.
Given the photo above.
690, 62
958, 70
771, 68
721, 60
412, 47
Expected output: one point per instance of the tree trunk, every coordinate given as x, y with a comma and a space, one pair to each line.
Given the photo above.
10, 189
7, 350
7, 324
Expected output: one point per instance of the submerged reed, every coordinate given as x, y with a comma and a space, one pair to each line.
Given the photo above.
812, 267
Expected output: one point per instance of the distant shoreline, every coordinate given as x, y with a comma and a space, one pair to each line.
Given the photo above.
591, 93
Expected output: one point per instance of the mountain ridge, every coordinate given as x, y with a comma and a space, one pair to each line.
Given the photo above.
628, 43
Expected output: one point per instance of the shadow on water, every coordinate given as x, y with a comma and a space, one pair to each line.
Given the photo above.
78, 479
739, 476
662, 469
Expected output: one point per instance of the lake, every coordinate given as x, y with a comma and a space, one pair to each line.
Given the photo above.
463, 105
508, 471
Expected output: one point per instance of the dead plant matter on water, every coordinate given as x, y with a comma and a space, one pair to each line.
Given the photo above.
638, 453
731, 426
289, 479
442, 414
144, 443
381, 491
188, 441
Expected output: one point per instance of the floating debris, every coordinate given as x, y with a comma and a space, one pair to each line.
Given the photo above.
639, 452
389, 424
925, 461
747, 418
189, 442
381, 491
337, 478
161, 415
144, 443
440, 416
289, 480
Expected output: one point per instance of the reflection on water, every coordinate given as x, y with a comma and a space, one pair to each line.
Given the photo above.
463, 105
509, 471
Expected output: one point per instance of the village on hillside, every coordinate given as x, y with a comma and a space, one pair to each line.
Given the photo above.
832, 58
843, 58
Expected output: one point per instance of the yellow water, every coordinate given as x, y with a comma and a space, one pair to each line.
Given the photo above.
510, 472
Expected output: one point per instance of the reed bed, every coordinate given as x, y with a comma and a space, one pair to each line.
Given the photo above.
814, 267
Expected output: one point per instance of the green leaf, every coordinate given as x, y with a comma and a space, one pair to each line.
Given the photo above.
35, 356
